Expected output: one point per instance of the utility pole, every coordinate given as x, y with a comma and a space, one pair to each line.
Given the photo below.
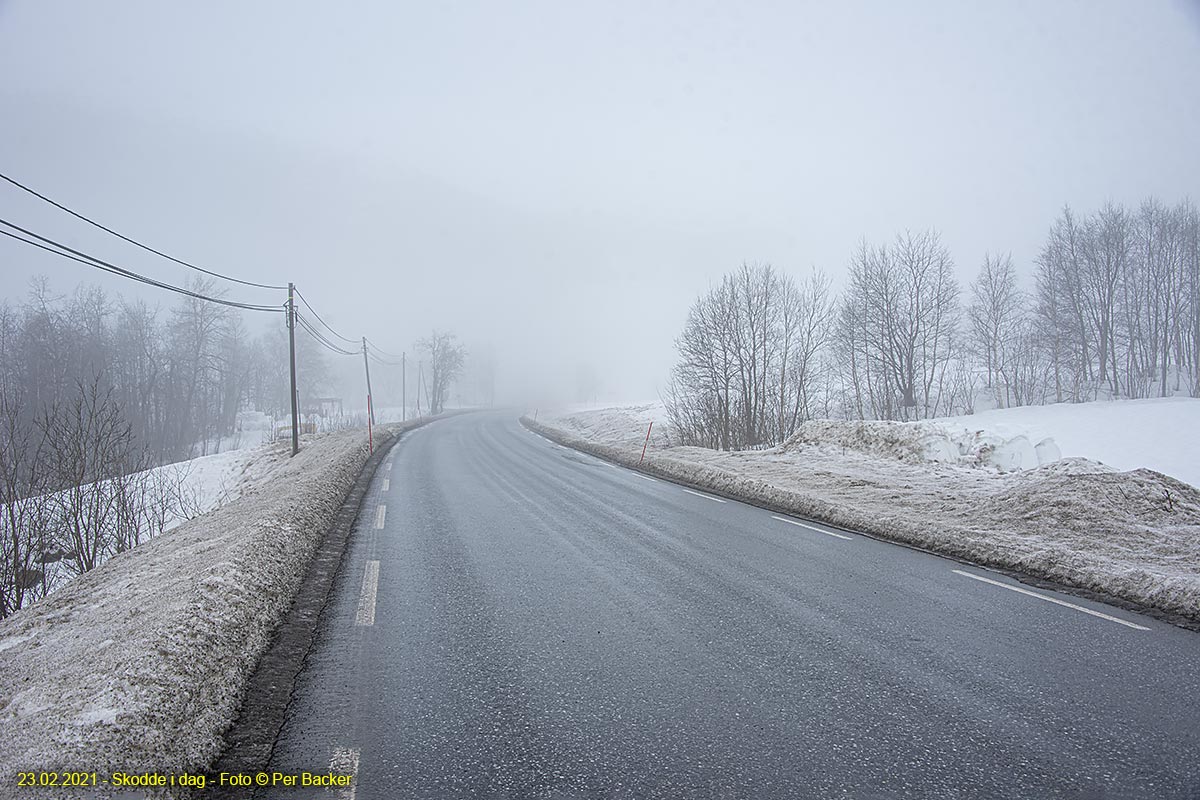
291, 317
403, 388
418, 388
367, 366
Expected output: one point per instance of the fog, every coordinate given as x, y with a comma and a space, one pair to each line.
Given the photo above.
557, 182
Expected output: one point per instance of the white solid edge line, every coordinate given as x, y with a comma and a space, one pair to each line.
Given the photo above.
370, 589
1054, 600
380, 516
345, 762
387, 484
705, 496
812, 528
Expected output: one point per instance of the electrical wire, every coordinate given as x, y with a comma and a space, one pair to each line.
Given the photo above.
379, 360
134, 242
381, 351
324, 323
96, 263
316, 334
320, 338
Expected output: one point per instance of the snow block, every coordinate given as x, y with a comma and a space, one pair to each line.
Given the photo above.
1047, 451
938, 447
1013, 454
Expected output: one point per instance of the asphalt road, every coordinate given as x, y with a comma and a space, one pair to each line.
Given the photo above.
514, 619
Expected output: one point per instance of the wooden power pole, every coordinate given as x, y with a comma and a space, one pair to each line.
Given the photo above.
291, 316
370, 396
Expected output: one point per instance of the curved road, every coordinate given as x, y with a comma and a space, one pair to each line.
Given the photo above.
513, 619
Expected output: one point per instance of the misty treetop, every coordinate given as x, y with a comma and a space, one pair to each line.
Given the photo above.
1114, 313
180, 376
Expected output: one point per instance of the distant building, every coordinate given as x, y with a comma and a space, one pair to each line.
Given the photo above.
326, 407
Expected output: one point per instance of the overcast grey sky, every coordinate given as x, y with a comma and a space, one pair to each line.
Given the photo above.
561, 179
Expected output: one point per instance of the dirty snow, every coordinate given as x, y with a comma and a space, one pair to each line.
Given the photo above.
139, 664
1133, 535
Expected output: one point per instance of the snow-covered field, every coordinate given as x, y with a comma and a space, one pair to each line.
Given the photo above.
1133, 535
139, 664
177, 492
212, 481
1159, 434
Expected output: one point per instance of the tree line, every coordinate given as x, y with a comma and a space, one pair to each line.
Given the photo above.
180, 376
1114, 312
96, 390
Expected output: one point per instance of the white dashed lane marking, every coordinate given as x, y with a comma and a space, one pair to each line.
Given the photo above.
380, 516
1049, 599
811, 528
836, 535
705, 496
366, 600
387, 484
345, 762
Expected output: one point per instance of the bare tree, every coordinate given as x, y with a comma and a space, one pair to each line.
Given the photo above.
445, 362
23, 510
804, 319
91, 455
1106, 251
901, 314
997, 317
749, 356
1116, 302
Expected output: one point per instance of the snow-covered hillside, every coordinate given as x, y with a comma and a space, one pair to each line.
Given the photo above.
211, 481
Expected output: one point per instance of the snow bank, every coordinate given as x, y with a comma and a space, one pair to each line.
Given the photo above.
139, 664
616, 423
931, 441
1129, 535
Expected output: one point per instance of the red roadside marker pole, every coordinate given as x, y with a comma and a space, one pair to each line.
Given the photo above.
643, 458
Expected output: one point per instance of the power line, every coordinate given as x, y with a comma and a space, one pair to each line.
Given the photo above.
122, 236
323, 322
92, 261
385, 363
320, 338
381, 351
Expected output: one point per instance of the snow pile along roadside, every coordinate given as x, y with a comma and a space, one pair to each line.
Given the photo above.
1132, 536
618, 424
139, 665
918, 442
